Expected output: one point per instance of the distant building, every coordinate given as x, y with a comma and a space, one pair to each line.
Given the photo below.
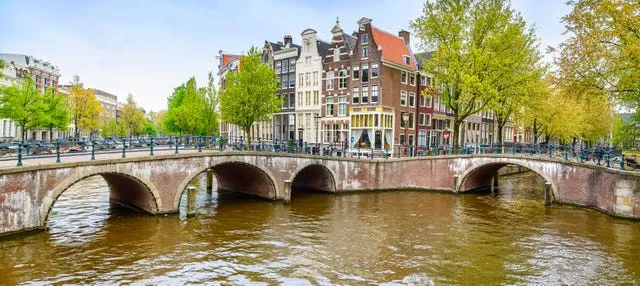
45, 76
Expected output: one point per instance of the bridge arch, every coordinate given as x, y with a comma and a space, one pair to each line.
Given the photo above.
123, 188
481, 175
236, 176
314, 176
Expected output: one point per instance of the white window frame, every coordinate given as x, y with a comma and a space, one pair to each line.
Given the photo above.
374, 90
375, 67
355, 69
364, 52
403, 97
356, 94
406, 77
329, 81
412, 95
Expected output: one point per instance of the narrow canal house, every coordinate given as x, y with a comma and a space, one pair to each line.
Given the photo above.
282, 57
336, 88
382, 79
309, 86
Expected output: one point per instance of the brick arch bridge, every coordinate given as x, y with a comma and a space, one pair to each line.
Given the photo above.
155, 184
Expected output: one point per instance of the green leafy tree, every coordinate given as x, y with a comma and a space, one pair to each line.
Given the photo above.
210, 107
250, 93
189, 116
1, 67
149, 128
56, 114
159, 122
174, 102
626, 132
602, 52
474, 44
23, 104
109, 129
132, 117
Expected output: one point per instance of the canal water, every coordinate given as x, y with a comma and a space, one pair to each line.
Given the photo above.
391, 238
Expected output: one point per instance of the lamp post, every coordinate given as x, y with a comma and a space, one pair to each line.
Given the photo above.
316, 117
491, 136
405, 119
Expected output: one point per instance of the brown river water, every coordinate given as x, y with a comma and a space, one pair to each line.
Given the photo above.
390, 238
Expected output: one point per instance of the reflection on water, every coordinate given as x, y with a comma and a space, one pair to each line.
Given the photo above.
400, 237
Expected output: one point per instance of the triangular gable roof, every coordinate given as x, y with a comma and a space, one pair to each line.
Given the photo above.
393, 48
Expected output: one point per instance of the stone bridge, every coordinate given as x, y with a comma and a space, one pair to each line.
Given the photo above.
155, 184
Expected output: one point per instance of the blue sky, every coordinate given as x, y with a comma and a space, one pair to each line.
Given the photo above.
148, 47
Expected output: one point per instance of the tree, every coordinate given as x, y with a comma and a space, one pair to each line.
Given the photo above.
23, 104
475, 44
56, 114
210, 107
149, 128
189, 116
160, 122
173, 103
626, 131
109, 129
250, 93
602, 53
85, 109
132, 118
1, 67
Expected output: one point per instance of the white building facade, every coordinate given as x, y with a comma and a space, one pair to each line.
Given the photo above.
309, 86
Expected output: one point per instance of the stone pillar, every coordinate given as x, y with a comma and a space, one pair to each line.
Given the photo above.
209, 182
547, 193
624, 199
494, 184
287, 190
455, 183
191, 201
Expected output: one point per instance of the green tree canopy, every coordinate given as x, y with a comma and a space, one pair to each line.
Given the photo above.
476, 44
250, 93
210, 107
56, 115
188, 116
85, 109
132, 118
23, 104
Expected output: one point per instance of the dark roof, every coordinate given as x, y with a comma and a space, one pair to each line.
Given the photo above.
275, 46
349, 41
422, 56
323, 47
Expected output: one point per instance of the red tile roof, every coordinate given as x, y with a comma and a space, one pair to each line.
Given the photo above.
225, 59
393, 48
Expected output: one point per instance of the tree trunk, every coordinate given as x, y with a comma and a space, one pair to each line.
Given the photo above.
50, 134
246, 135
456, 135
535, 131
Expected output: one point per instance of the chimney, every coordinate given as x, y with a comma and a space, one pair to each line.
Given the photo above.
288, 40
405, 35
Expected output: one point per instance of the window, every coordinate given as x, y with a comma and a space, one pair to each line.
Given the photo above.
428, 120
356, 72
427, 99
421, 119
316, 96
356, 95
329, 107
326, 133
412, 120
412, 79
406, 59
364, 39
342, 106
307, 61
292, 100
412, 99
329, 81
436, 103
299, 98
292, 81
403, 77
336, 54
315, 78
284, 82
374, 94
365, 73
411, 139
403, 98
342, 79
307, 79
423, 80
365, 94
402, 141
285, 66
278, 67
300, 81
292, 65
422, 138
307, 98
374, 70
365, 52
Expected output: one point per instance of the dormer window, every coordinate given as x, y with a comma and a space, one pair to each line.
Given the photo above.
364, 39
407, 60
336, 54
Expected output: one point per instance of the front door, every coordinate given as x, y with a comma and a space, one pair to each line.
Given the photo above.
378, 140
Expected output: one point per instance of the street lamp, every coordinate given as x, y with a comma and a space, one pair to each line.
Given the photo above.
405, 119
317, 117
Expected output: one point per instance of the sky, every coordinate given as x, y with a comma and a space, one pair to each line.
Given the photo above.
147, 47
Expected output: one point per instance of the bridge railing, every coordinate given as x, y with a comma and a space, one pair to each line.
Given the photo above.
150, 146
